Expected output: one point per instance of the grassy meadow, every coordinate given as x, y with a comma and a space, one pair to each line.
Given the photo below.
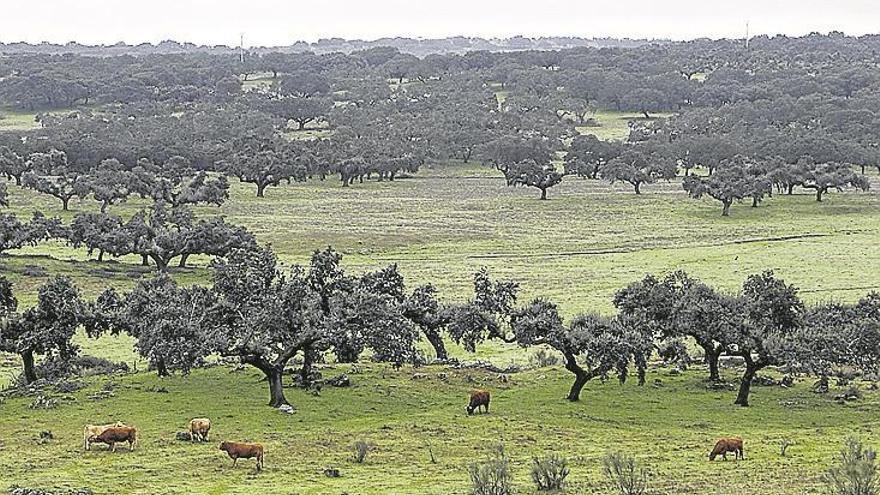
441, 225
669, 425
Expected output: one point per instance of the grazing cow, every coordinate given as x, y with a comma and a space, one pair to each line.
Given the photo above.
118, 434
90, 432
479, 398
237, 450
199, 428
725, 445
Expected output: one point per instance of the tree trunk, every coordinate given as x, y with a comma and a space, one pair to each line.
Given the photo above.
276, 387
18, 180
543, 193
305, 373
30, 371
100, 255
713, 354
261, 188
274, 375
104, 205
638, 187
819, 193
725, 210
754, 201
581, 377
790, 189
745, 385
64, 202
183, 258
302, 125
436, 342
145, 261
161, 263
161, 369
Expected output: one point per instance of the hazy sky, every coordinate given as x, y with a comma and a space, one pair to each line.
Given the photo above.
278, 22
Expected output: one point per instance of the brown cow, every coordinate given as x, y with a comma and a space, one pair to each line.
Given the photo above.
237, 450
118, 434
479, 398
90, 432
725, 445
199, 428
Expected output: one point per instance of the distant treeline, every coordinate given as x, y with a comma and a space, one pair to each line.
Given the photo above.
419, 47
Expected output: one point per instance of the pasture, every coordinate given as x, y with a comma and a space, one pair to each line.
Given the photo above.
669, 425
577, 248
439, 226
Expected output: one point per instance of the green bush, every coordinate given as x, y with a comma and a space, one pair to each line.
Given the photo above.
361, 450
550, 472
492, 477
624, 474
855, 472
542, 358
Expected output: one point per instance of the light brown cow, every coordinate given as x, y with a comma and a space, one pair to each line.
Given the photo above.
237, 450
199, 428
90, 432
725, 445
118, 434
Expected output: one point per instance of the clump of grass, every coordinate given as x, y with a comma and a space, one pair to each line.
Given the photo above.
624, 474
855, 472
492, 477
362, 449
550, 472
542, 358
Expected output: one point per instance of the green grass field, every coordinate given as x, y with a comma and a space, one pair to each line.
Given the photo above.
13, 120
440, 226
669, 425
577, 248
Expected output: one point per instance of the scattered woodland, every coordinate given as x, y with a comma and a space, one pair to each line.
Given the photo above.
170, 175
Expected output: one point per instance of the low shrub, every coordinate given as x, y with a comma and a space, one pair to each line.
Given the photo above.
624, 474
855, 472
542, 358
361, 450
550, 472
493, 476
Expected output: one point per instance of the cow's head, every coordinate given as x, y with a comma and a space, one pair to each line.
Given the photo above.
470, 410
224, 446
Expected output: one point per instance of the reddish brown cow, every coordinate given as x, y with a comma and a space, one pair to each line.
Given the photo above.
118, 434
90, 432
237, 450
479, 398
725, 445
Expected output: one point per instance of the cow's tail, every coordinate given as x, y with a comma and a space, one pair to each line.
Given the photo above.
134, 442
